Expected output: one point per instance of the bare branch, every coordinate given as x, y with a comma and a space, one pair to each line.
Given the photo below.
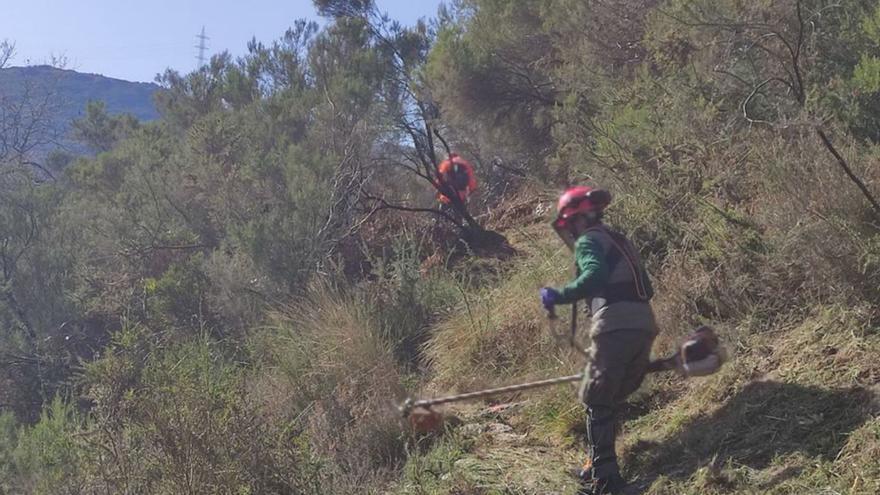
739, 79
797, 53
39, 167
7, 50
394, 163
385, 205
799, 92
846, 168
445, 144
748, 99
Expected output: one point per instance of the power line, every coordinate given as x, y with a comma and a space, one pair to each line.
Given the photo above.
201, 46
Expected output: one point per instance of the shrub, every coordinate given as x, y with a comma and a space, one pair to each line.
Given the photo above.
179, 418
405, 299
327, 370
47, 458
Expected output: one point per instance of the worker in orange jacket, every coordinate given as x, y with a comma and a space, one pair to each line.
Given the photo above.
456, 173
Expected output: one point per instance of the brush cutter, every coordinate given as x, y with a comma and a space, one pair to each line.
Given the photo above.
700, 354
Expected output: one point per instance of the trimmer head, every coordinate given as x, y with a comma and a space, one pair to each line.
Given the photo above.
425, 420
421, 418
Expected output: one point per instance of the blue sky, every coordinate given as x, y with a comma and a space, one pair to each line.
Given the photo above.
137, 40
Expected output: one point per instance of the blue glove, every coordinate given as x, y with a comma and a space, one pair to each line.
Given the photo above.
549, 298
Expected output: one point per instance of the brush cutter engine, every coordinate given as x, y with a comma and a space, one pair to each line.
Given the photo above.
701, 353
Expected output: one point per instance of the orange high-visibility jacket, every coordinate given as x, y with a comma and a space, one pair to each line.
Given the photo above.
457, 173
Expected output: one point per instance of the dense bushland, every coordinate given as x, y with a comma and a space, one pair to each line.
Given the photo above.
233, 298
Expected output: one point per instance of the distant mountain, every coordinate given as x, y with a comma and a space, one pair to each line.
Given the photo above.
73, 90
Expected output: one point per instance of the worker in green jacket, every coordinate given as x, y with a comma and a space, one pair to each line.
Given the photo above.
611, 277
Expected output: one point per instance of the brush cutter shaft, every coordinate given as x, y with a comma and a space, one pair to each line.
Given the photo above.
561, 337
495, 391
703, 339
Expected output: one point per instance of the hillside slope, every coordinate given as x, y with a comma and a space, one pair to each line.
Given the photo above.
76, 89
237, 298
794, 411
65, 94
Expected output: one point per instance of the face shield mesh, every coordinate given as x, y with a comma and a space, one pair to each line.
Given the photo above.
560, 226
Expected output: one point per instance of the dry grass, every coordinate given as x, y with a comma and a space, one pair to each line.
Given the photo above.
500, 333
795, 406
793, 412
327, 363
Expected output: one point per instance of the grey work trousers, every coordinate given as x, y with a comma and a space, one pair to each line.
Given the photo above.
618, 364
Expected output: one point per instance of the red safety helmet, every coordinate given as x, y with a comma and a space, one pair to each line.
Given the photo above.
579, 200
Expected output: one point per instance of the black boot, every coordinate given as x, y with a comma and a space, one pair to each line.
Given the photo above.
603, 476
612, 485
602, 435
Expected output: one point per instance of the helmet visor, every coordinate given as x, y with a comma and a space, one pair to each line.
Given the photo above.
560, 223
560, 226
